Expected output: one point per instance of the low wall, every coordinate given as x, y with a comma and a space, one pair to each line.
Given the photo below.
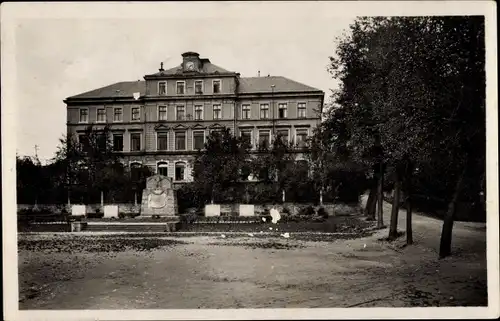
225, 209
293, 208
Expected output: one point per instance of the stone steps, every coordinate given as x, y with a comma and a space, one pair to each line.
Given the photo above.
122, 227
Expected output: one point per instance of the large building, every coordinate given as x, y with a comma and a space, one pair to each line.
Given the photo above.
163, 121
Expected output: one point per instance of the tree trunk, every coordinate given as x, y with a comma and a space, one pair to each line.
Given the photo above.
407, 190
380, 197
409, 209
371, 202
446, 234
393, 229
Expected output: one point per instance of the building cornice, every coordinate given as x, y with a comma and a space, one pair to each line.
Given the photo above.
194, 152
190, 97
204, 123
101, 100
236, 96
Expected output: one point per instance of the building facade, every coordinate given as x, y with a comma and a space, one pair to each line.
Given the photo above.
162, 121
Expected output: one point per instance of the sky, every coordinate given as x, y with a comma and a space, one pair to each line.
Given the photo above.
60, 57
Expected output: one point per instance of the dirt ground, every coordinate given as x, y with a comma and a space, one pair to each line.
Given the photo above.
253, 272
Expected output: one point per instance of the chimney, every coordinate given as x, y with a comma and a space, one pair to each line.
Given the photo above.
258, 73
161, 67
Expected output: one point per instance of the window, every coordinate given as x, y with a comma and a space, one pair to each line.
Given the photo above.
136, 114
161, 141
301, 137
216, 86
84, 115
162, 88
301, 110
264, 111
135, 142
84, 141
180, 171
135, 171
245, 112
162, 168
101, 115
198, 112
246, 171
264, 138
302, 168
118, 114
198, 87
162, 112
217, 130
118, 142
180, 141
282, 110
217, 112
180, 87
101, 142
179, 112
198, 139
246, 136
283, 133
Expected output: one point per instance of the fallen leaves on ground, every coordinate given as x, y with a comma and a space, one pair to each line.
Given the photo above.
87, 244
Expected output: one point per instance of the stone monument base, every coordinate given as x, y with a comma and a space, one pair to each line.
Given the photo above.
158, 198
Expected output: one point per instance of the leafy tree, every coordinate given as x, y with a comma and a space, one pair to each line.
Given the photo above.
91, 166
29, 179
413, 92
218, 168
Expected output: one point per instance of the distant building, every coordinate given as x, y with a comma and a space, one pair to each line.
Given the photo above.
162, 121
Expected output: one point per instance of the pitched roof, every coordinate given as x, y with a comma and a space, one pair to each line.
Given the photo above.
263, 85
124, 89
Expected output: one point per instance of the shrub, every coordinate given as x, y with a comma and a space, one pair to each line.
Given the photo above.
322, 213
122, 215
97, 214
188, 218
286, 211
225, 219
307, 211
318, 218
291, 218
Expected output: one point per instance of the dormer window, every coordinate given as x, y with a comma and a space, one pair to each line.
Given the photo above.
216, 84
162, 88
181, 87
